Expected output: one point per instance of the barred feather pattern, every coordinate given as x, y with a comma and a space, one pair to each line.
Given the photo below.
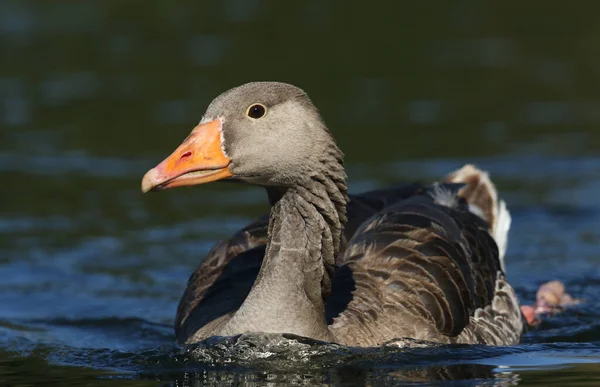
419, 262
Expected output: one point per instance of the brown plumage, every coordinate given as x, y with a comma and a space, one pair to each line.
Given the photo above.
420, 261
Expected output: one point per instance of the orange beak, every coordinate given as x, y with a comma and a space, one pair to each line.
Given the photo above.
199, 159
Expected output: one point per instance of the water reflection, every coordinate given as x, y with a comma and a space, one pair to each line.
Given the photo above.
271, 359
472, 375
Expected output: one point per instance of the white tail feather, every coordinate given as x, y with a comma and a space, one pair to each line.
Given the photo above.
500, 231
482, 197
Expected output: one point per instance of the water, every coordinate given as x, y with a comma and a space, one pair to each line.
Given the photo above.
92, 94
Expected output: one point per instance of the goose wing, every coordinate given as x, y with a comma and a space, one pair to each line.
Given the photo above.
428, 267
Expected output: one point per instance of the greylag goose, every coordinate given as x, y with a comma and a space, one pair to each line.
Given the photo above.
423, 262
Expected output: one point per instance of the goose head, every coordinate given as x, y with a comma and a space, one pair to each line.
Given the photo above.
262, 133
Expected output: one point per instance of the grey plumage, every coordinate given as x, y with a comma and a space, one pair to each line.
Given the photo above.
418, 261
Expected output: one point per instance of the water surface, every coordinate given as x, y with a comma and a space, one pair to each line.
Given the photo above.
92, 94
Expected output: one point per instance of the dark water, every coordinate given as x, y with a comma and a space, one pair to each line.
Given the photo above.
92, 94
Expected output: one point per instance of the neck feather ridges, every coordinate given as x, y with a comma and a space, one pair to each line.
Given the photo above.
305, 230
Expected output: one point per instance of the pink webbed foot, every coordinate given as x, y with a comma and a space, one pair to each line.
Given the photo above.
551, 298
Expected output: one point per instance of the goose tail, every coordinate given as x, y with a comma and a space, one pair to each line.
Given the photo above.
482, 197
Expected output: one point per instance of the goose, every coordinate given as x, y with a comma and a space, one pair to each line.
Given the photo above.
418, 262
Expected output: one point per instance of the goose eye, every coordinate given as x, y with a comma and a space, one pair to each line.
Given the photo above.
256, 111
